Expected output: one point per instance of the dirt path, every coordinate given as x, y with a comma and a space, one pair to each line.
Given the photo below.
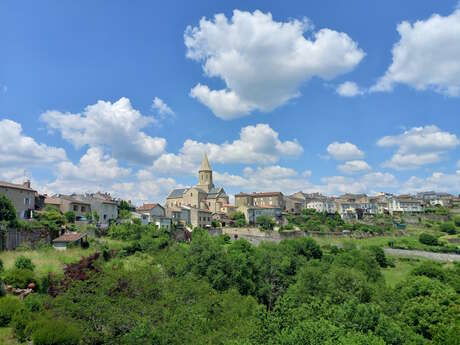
428, 255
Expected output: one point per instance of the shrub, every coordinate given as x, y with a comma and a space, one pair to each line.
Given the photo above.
265, 222
19, 322
23, 262
7, 210
428, 239
70, 216
19, 278
431, 270
448, 227
8, 306
380, 257
457, 221
54, 332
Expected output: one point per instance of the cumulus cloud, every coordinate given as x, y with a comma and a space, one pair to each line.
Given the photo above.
344, 151
426, 56
349, 89
258, 144
355, 166
263, 62
438, 181
418, 146
17, 149
368, 183
161, 107
94, 165
116, 126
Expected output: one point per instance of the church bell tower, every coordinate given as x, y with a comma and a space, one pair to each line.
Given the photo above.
205, 175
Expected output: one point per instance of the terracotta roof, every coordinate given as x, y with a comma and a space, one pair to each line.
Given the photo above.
69, 237
266, 193
15, 186
147, 207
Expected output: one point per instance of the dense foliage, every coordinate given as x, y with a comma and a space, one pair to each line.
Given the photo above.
7, 210
213, 291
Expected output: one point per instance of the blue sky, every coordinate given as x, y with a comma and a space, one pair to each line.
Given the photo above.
328, 96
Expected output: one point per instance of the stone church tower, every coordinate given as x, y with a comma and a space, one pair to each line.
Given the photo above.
205, 175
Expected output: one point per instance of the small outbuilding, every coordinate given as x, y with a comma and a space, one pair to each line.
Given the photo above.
70, 239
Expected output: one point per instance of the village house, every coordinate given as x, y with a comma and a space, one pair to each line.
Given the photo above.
196, 205
22, 197
102, 204
405, 204
293, 205
154, 214
67, 203
251, 213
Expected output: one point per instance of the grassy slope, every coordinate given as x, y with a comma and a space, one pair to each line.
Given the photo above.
50, 260
6, 336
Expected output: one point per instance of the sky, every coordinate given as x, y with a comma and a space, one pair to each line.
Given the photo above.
330, 96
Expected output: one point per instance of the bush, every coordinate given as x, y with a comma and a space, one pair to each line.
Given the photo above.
265, 222
19, 278
379, 255
428, 239
7, 210
8, 306
70, 216
431, 270
19, 322
448, 227
54, 332
457, 221
23, 262
2, 288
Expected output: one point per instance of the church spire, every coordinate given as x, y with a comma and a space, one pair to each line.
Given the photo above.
205, 166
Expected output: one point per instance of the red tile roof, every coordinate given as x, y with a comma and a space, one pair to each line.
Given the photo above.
69, 237
15, 186
147, 207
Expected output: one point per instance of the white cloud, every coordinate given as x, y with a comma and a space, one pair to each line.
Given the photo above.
349, 89
263, 62
117, 126
161, 107
426, 56
344, 151
354, 166
438, 181
368, 183
258, 144
16, 149
418, 146
93, 166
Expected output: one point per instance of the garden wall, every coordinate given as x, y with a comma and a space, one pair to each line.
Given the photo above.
10, 239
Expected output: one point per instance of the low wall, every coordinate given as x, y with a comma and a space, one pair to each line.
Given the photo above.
254, 235
10, 239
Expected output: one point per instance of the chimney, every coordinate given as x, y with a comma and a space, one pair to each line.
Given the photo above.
26, 184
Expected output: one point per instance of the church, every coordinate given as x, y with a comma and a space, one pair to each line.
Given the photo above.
200, 201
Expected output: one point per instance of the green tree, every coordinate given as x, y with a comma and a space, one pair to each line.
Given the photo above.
265, 222
7, 210
70, 216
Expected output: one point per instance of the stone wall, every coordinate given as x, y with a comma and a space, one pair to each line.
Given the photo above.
10, 239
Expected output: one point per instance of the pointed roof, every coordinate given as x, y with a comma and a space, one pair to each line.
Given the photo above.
205, 166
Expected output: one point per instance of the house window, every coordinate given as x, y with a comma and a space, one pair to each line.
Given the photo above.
83, 209
75, 208
26, 201
191, 194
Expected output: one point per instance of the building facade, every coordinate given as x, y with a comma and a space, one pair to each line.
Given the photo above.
22, 197
196, 205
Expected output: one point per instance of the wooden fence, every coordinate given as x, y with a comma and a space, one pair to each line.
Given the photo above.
10, 239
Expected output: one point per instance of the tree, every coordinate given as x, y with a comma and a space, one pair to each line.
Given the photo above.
448, 227
428, 239
7, 210
70, 216
124, 205
238, 218
265, 222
